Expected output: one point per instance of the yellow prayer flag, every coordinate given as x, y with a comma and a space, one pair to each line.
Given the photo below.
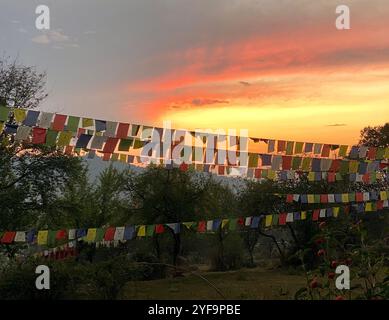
42, 237
91, 235
345, 197
353, 166
306, 164
335, 212
142, 231
343, 151
386, 156
1, 126
225, 222
19, 114
188, 225
311, 198
123, 158
383, 195
303, 215
369, 207
64, 138
271, 174
311, 176
269, 219
86, 122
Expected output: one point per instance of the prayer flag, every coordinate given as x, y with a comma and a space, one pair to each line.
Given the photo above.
19, 115
38, 135
31, 119
59, 122
42, 237
141, 231
91, 235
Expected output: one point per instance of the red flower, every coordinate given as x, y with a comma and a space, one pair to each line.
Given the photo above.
334, 264
339, 298
331, 275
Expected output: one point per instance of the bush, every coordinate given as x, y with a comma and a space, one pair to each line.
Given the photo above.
76, 280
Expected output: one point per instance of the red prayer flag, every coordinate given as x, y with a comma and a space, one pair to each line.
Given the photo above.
315, 215
110, 145
109, 234
359, 197
122, 130
106, 156
331, 176
59, 122
202, 226
38, 135
366, 178
8, 237
159, 228
371, 154
61, 234
241, 221
286, 162
326, 151
282, 219
221, 170
324, 198
335, 165
69, 150
183, 166
80, 132
380, 204
289, 198
257, 173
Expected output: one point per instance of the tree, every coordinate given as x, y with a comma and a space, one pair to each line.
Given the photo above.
160, 195
375, 136
21, 86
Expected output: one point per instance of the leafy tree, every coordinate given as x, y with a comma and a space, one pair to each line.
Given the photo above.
160, 195
377, 136
21, 86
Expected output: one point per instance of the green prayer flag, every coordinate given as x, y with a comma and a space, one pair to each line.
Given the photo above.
100, 234
4, 111
125, 144
351, 197
289, 147
380, 153
51, 238
233, 224
343, 151
274, 221
317, 198
306, 164
150, 230
253, 160
298, 147
344, 165
73, 123
51, 138
296, 163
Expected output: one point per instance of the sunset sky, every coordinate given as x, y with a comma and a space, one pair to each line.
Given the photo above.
279, 68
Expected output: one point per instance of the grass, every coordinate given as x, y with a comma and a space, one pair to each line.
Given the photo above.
255, 283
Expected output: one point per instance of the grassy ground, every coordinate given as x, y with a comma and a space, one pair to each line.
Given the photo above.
255, 283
